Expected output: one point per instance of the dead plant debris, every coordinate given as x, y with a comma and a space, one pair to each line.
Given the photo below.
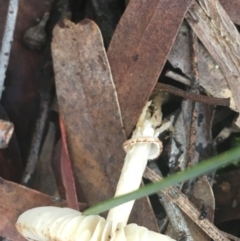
68, 106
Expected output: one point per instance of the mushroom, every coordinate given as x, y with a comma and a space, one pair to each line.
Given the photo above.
53, 223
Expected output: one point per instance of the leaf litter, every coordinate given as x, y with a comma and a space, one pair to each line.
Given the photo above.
150, 40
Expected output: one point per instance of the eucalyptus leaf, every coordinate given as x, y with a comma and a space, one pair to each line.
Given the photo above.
195, 171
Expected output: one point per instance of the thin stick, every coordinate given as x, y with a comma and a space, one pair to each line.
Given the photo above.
173, 212
37, 138
194, 89
230, 236
191, 96
7, 41
177, 197
178, 77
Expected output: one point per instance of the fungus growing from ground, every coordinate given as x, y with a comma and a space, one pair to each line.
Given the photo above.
63, 224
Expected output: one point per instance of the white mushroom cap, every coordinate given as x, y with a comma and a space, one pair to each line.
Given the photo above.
65, 224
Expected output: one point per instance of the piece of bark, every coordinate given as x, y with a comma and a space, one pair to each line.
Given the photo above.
16, 199
177, 197
233, 9
89, 107
139, 49
6, 131
10, 158
211, 77
203, 199
180, 139
178, 228
220, 37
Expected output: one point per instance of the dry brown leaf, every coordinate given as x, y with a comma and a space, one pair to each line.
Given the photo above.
89, 107
139, 50
15, 199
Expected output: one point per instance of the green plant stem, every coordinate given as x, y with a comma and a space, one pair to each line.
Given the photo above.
200, 169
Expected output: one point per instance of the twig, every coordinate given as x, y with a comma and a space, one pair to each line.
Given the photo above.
7, 41
195, 82
177, 197
194, 89
37, 138
178, 77
230, 236
173, 212
191, 96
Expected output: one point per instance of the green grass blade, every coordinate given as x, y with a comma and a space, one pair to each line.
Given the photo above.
199, 169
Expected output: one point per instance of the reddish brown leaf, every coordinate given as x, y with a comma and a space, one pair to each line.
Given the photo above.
67, 173
16, 199
139, 50
89, 108
58, 174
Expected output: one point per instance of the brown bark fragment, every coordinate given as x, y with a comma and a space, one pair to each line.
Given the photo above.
214, 28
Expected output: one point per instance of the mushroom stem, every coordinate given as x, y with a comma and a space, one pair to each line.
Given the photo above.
143, 145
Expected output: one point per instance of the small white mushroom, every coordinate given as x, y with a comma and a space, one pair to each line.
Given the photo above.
63, 224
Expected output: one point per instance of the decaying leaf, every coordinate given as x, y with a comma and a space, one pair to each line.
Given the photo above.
220, 37
15, 199
211, 77
139, 50
89, 108
88, 104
